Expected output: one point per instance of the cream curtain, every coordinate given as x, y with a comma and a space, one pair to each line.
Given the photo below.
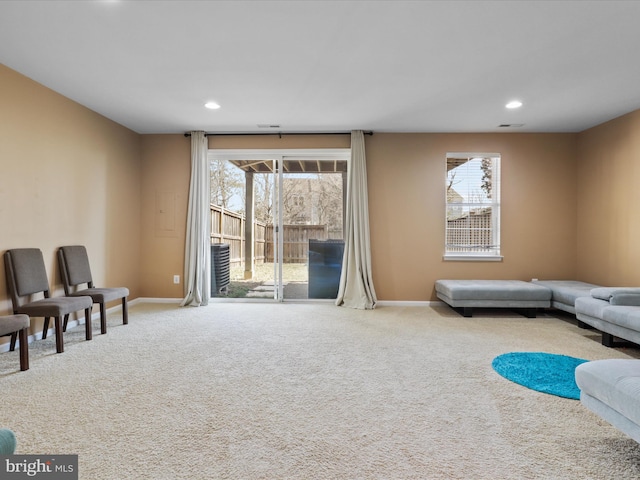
197, 261
356, 282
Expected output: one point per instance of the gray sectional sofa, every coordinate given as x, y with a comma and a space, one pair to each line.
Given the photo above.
615, 311
610, 388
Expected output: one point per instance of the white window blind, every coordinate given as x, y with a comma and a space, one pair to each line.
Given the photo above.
473, 206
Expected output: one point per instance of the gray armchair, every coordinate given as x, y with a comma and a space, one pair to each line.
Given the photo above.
17, 326
75, 274
26, 278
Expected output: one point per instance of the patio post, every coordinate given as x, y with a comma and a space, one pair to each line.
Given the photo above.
249, 247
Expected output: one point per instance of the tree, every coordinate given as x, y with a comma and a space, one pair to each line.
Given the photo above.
227, 181
329, 201
263, 195
297, 201
307, 198
487, 183
314, 199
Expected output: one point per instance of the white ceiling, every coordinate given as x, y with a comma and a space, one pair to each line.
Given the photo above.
323, 66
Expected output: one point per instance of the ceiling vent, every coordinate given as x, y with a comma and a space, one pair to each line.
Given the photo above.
267, 125
512, 125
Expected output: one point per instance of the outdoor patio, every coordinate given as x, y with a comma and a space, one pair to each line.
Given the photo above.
295, 281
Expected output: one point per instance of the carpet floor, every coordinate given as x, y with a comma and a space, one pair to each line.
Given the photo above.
310, 391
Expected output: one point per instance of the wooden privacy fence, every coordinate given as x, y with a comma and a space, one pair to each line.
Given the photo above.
228, 227
470, 232
295, 238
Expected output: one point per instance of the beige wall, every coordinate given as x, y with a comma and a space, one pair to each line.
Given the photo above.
279, 142
166, 163
407, 209
608, 222
69, 176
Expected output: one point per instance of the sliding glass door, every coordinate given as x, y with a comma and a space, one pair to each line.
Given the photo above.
289, 247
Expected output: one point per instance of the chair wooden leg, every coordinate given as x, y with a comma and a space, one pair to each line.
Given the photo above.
103, 319
59, 340
87, 324
66, 320
125, 311
12, 345
24, 350
45, 327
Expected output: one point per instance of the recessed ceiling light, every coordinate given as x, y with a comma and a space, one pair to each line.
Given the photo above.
212, 105
514, 104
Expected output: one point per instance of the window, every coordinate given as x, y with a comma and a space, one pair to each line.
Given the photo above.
473, 207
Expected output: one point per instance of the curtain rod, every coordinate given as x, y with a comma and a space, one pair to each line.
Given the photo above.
280, 134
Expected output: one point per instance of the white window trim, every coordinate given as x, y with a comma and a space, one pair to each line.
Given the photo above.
471, 256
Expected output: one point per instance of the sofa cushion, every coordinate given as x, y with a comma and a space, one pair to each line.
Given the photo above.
631, 299
618, 295
565, 292
591, 307
625, 316
492, 290
615, 382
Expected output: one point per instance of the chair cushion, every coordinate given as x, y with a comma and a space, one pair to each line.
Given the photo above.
55, 307
101, 295
13, 323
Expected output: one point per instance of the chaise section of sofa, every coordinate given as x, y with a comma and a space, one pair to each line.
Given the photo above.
513, 294
611, 389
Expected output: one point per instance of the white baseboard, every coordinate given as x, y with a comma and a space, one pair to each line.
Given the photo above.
381, 303
405, 303
95, 315
155, 300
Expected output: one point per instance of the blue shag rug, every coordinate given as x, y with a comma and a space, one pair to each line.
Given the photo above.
544, 372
